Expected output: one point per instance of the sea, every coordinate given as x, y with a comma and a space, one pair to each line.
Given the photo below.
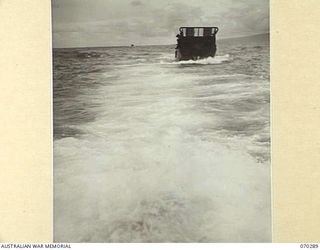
149, 149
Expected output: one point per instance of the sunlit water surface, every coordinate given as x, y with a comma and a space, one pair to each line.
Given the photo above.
147, 149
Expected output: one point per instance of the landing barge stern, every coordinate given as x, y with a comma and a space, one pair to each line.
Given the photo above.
196, 43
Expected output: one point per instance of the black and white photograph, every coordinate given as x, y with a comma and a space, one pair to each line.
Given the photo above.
161, 121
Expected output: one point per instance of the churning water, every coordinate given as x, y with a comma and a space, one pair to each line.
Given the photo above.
147, 149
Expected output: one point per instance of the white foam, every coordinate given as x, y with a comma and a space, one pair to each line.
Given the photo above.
144, 172
205, 61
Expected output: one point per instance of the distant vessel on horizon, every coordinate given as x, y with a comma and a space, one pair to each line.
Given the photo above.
196, 42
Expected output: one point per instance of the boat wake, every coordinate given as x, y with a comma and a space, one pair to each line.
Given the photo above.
205, 61
148, 150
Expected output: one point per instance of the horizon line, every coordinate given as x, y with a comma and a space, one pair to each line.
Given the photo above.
141, 45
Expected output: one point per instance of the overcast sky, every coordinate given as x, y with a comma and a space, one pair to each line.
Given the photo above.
85, 23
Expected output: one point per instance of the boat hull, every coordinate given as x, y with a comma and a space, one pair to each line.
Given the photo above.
193, 48
196, 42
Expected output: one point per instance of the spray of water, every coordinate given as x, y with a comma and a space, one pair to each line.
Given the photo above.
204, 61
147, 170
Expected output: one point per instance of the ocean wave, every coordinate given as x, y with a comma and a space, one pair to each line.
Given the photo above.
149, 191
146, 150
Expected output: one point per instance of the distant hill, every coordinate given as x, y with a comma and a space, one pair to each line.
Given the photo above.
259, 38
251, 37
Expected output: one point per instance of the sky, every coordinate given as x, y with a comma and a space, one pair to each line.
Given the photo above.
90, 23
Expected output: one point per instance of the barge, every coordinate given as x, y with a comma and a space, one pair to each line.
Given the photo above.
196, 43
